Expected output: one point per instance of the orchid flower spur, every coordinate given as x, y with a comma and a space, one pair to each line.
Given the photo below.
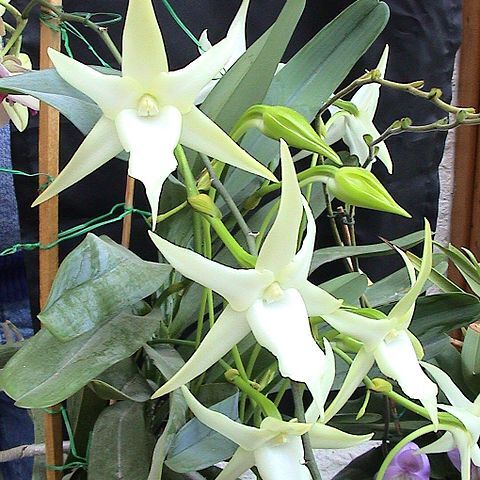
275, 448
16, 107
148, 110
389, 342
272, 300
352, 127
465, 439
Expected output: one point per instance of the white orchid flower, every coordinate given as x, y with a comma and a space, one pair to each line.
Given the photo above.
16, 108
465, 439
389, 342
275, 448
352, 128
148, 110
273, 300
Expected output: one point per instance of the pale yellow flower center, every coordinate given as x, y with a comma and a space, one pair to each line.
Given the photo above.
147, 106
273, 293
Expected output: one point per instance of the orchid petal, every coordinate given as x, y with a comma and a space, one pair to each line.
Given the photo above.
359, 368
475, 452
324, 436
397, 359
104, 90
382, 153
279, 427
469, 420
280, 245
151, 142
444, 444
229, 329
463, 444
201, 134
204, 42
317, 301
353, 138
26, 100
100, 145
143, 63
336, 126
238, 286
448, 387
370, 331
403, 310
18, 114
282, 327
241, 461
248, 438
366, 97
284, 461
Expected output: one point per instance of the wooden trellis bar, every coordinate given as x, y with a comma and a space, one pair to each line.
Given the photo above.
49, 138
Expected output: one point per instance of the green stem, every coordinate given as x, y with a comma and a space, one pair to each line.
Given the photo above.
22, 23
172, 341
297, 392
11, 9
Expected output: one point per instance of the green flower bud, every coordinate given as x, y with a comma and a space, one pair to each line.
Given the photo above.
381, 386
204, 181
204, 204
359, 187
279, 122
348, 107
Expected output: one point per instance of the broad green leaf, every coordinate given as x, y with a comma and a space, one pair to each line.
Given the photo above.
329, 254
46, 371
49, 87
7, 351
122, 381
196, 446
350, 287
121, 444
95, 282
311, 76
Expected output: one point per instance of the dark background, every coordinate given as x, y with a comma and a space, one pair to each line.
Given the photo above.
423, 37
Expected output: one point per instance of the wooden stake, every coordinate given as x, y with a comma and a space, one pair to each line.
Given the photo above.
127, 220
48, 151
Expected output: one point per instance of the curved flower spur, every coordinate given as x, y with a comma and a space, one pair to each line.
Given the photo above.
148, 110
275, 448
389, 342
273, 300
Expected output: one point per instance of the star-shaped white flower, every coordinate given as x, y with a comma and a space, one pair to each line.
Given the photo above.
351, 128
389, 342
148, 110
465, 439
272, 300
275, 448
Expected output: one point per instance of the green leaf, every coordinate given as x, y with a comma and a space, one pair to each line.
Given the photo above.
95, 282
329, 254
7, 351
196, 446
122, 381
121, 444
350, 287
49, 87
46, 371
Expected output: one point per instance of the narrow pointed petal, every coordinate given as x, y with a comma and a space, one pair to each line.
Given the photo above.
403, 310
353, 138
336, 126
367, 330
202, 135
239, 287
241, 461
18, 114
397, 359
382, 153
297, 270
448, 387
141, 29
110, 92
324, 436
248, 438
471, 421
100, 145
280, 427
358, 370
226, 332
462, 442
317, 301
475, 452
151, 142
444, 444
284, 461
280, 245
282, 327
366, 97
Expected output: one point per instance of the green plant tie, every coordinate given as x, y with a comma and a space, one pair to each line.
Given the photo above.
12, 171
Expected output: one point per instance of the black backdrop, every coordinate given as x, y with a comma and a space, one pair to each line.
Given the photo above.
423, 37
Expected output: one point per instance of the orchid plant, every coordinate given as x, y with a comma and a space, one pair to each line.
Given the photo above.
230, 323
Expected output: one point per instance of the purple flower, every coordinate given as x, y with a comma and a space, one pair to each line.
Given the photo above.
454, 456
409, 464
